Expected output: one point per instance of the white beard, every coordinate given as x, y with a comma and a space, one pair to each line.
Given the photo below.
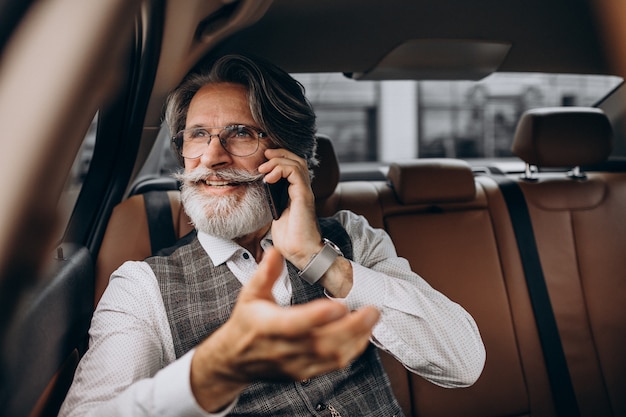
227, 217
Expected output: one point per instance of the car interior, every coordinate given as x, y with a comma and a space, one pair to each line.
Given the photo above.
532, 246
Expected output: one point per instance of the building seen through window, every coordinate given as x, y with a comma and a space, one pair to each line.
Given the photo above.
456, 119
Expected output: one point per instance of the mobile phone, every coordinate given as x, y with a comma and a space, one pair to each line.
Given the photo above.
277, 196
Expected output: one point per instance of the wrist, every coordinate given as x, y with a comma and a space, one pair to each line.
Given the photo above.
302, 259
338, 280
211, 385
320, 262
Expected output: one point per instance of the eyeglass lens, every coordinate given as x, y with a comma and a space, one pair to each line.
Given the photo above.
238, 140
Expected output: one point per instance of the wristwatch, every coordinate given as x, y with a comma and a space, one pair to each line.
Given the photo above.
320, 262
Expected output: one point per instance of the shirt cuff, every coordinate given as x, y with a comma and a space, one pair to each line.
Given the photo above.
173, 394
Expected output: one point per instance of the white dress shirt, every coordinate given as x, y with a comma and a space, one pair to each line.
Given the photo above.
131, 369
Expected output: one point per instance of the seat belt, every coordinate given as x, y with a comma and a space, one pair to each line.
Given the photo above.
160, 221
558, 373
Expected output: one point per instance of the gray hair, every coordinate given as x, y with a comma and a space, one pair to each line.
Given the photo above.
277, 102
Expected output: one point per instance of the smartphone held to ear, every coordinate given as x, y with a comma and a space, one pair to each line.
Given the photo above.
277, 196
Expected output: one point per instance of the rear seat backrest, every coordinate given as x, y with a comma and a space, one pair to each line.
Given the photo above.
440, 219
580, 229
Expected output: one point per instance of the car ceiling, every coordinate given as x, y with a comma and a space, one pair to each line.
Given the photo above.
353, 36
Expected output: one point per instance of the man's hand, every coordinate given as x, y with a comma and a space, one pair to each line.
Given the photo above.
296, 234
265, 342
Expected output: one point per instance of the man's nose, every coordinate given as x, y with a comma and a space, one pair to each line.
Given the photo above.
214, 153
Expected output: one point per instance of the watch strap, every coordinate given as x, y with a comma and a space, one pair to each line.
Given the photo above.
320, 262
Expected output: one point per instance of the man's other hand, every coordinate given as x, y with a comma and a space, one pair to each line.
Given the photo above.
265, 342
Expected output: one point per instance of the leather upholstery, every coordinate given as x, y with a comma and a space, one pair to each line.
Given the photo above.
127, 236
581, 248
432, 181
563, 137
581, 236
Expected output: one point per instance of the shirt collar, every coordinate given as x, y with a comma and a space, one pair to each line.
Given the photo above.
221, 250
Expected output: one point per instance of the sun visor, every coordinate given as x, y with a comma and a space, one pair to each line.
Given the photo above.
438, 59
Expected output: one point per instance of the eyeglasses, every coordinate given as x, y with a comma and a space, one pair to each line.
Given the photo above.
237, 140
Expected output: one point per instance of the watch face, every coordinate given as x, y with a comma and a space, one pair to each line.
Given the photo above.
333, 246
319, 264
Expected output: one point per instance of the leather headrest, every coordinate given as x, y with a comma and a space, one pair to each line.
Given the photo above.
432, 181
563, 137
326, 174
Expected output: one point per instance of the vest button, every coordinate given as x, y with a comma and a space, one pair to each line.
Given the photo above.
320, 407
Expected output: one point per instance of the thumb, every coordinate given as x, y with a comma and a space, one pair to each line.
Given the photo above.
260, 286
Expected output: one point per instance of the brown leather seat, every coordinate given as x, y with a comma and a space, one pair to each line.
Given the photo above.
579, 224
442, 220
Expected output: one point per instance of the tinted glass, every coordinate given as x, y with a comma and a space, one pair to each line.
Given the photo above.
390, 120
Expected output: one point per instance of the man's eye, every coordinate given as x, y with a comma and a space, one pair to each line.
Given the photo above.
244, 132
198, 134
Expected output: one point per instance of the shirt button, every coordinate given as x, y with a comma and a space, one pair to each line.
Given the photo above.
320, 407
306, 381
246, 256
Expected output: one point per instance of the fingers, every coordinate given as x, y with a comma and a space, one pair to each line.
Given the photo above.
282, 357
349, 335
330, 347
281, 154
333, 344
294, 321
260, 286
298, 320
282, 163
264, 342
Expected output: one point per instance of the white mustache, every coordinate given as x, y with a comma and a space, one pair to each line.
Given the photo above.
226, 174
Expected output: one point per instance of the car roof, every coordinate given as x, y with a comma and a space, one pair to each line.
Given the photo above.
457, 39
354, 35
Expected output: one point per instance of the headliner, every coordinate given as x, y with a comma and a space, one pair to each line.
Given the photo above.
353, 35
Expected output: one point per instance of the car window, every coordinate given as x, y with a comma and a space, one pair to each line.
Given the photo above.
374, 122
390, 120
76, 177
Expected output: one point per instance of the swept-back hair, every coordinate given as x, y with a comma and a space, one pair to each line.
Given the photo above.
277, 102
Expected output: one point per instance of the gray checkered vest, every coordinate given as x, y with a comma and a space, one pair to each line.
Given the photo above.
199, 298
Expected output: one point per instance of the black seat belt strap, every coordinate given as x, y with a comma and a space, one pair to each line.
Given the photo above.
556, 364
160, 221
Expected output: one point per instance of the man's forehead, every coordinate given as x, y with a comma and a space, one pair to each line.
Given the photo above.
220, 101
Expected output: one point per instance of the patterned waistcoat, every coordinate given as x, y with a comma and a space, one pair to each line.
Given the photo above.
199, 298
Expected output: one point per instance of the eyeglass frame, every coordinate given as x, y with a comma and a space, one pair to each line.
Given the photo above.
178, 139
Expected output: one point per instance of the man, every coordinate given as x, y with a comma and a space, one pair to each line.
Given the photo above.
255, 316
